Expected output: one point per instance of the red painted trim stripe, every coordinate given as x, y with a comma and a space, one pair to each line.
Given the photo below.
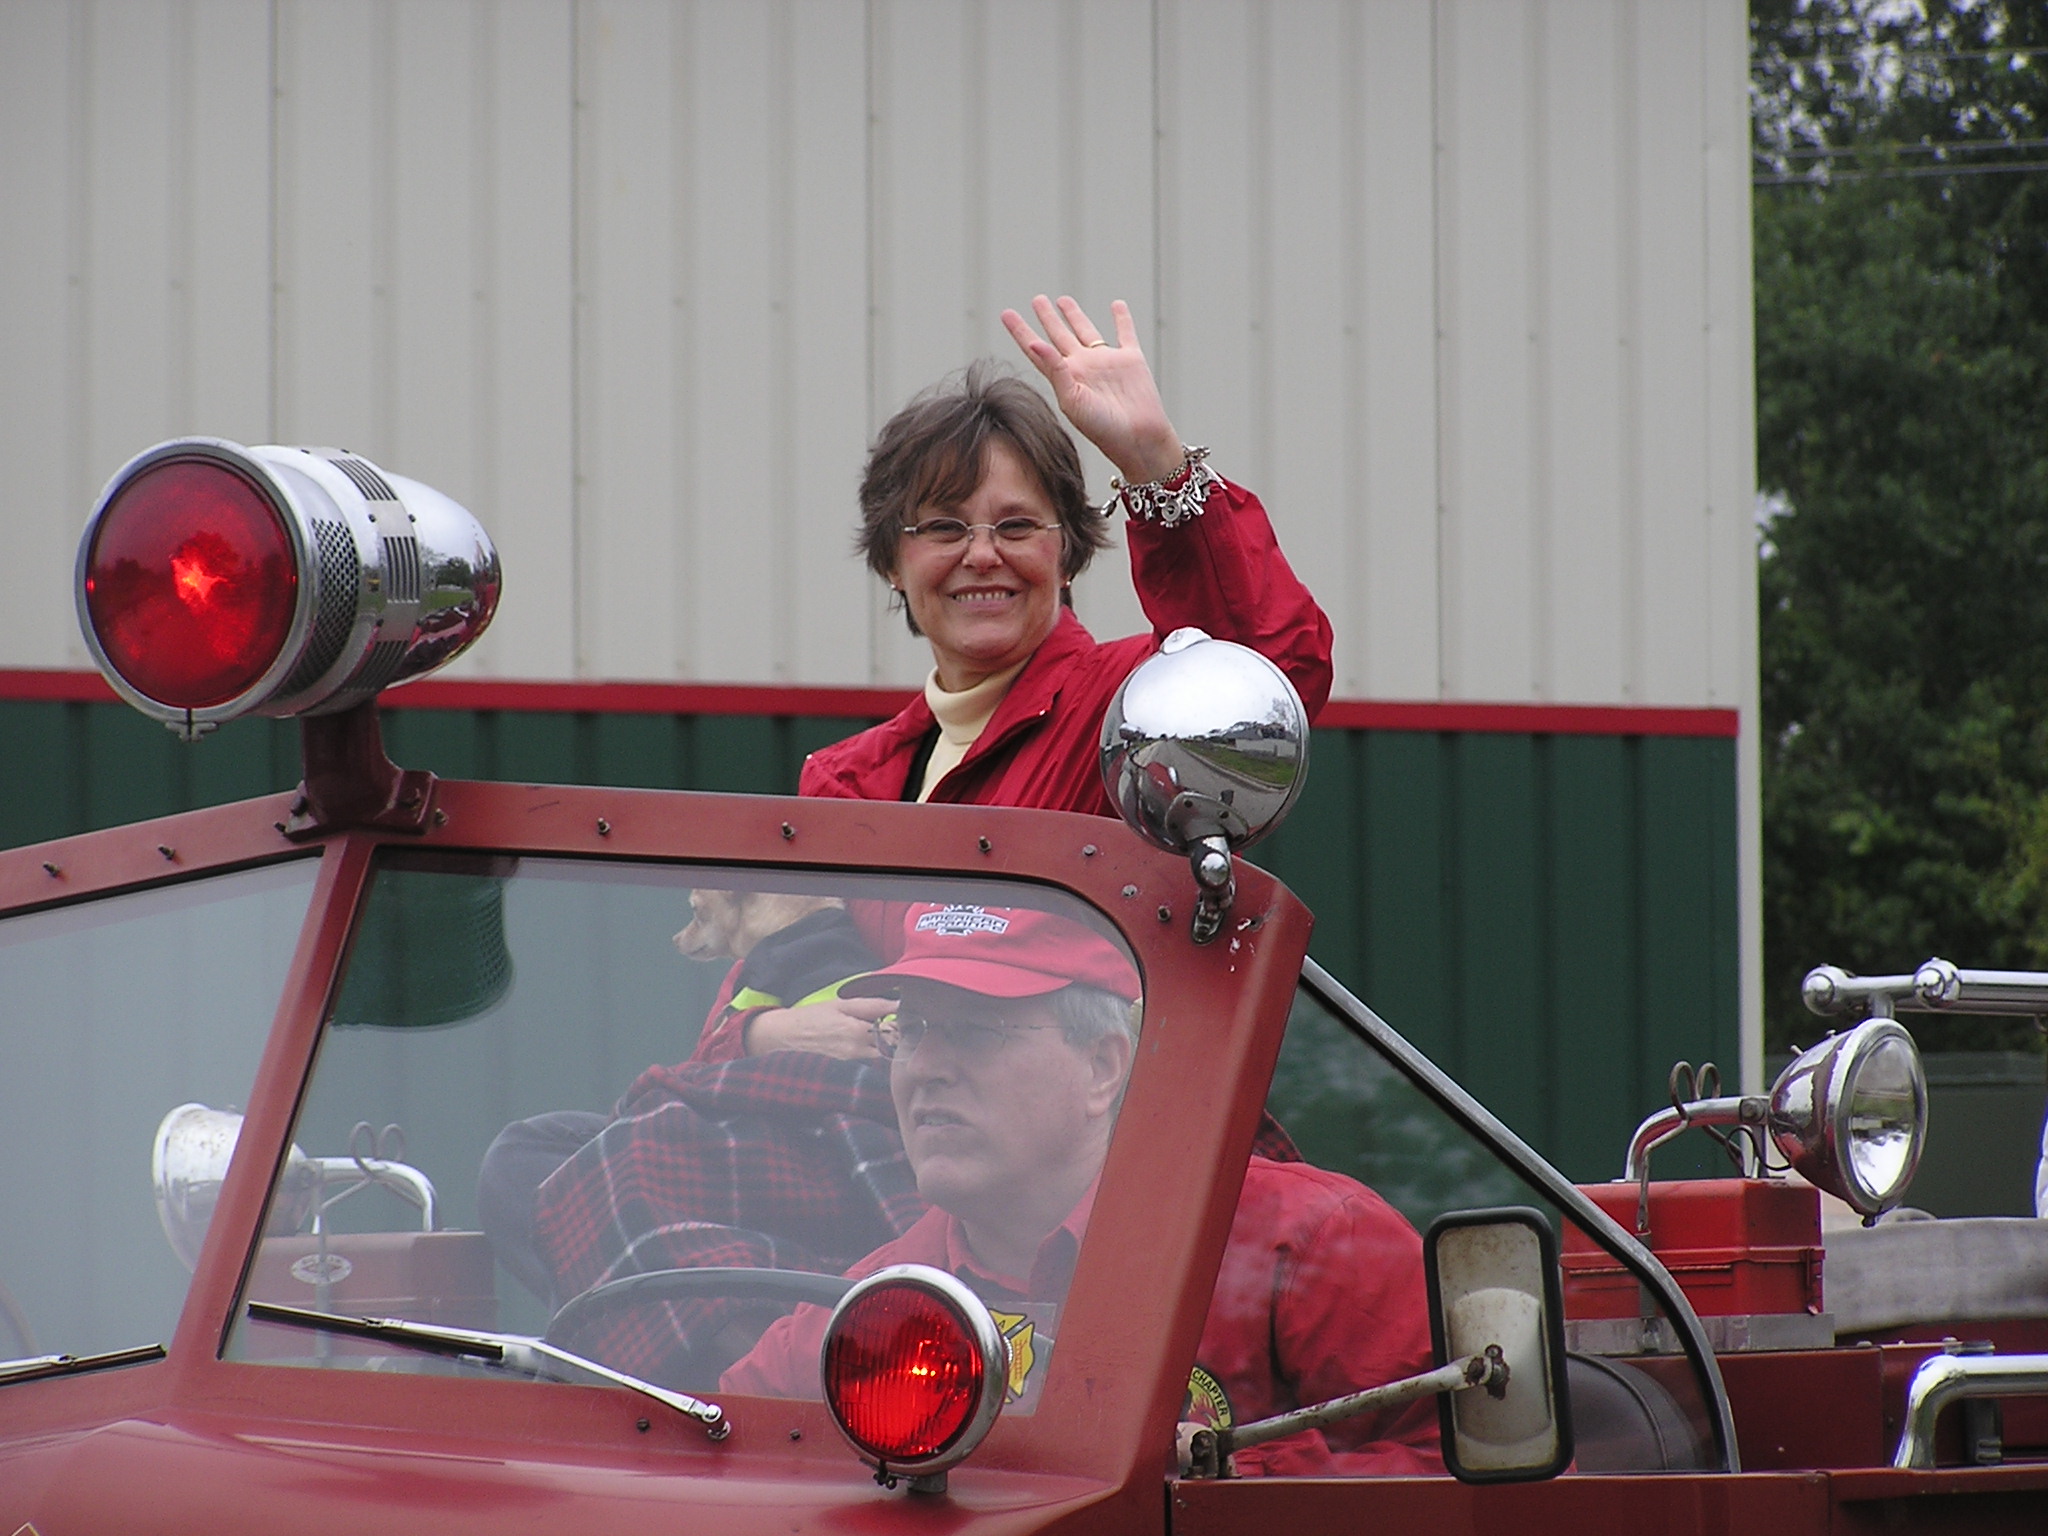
1528, 719
648, 698
869, 703
25, 685
21, 686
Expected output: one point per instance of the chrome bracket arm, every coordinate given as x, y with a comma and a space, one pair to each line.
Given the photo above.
1215, 887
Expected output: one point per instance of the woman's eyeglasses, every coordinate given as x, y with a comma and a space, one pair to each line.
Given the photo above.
947, 532
976, 1039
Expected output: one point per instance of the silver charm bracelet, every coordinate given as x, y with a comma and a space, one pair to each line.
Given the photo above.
1175, 498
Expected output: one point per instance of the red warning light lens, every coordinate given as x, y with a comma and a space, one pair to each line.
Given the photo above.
191, 583
902, 1374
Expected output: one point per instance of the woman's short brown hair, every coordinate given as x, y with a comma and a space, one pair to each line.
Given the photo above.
934, 452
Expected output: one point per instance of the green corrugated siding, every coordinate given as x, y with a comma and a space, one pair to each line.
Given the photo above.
1553, 918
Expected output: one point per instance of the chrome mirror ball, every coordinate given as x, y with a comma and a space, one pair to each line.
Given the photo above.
1205, 751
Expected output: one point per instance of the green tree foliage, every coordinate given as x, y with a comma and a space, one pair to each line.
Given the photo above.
1901, 223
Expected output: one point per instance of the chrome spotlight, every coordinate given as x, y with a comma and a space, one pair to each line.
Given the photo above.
194, 1145
1850, 1115
1205, 751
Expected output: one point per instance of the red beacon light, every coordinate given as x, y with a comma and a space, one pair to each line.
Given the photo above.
215, 581
915, 1371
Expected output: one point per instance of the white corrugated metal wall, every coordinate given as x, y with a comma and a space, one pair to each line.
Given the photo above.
1461, 286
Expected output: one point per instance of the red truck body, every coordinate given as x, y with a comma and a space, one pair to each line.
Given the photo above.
198, 1442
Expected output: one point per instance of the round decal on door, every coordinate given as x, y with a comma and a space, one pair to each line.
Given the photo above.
321, 1268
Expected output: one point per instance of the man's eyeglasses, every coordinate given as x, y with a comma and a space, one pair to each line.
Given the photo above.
976, 1039
947, 532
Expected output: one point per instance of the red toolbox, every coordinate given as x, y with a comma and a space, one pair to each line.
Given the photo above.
428, 1277
1737, 1246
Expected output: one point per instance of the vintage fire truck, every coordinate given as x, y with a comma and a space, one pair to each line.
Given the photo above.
259, 1057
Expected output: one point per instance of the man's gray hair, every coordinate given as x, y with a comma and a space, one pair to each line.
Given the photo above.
1087, 1014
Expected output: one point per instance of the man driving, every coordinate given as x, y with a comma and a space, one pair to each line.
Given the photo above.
1009, 1049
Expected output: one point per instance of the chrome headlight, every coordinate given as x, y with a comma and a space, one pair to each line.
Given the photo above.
1850, 1114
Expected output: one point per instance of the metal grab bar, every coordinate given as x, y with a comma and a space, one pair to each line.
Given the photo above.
353, 1174
1936, 987
1944, 1379
1737, 1110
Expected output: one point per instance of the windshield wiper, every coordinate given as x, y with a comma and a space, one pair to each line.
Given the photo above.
36, 1367
514, 1351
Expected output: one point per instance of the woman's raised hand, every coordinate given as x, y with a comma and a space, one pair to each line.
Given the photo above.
1105, 389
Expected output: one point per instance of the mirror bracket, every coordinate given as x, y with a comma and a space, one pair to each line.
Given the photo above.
1204, 1450
350, 782
1215, 886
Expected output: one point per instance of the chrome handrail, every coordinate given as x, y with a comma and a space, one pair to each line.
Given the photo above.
1936, 986
1944, 1379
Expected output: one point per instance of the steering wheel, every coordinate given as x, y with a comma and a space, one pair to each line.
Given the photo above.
784, 1285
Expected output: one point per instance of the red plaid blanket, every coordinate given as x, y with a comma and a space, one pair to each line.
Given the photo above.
786, 1161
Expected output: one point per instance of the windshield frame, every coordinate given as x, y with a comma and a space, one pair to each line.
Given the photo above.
1216, 1015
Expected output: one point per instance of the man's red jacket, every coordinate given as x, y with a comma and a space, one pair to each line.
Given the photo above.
1320, 1295
1222, 572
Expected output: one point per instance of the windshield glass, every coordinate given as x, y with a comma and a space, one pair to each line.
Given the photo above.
1637, 1401
544, 1080
116, 1017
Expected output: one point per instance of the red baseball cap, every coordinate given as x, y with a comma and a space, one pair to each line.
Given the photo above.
1000, 952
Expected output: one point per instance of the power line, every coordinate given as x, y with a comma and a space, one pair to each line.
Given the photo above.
1849, 55
1901, 173
1900, 146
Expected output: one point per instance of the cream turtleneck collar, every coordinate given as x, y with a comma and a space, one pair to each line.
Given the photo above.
962, 717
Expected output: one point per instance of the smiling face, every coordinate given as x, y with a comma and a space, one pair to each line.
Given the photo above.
985, 605
1005, 1138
